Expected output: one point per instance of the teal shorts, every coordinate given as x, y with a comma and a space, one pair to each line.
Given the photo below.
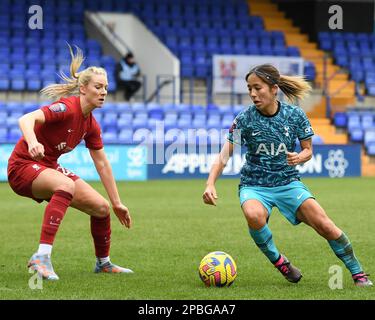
286, 198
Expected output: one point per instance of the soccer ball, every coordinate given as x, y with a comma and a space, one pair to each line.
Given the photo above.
217, 269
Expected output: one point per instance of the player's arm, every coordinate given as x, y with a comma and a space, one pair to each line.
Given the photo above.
27, 123
104, 170
210, 195
294, 158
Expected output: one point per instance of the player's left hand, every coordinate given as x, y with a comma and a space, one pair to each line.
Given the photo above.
123, 215
293, 158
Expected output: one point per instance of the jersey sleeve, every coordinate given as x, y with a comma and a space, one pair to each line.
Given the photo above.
57, 111
93, 138
234, 136
304, 129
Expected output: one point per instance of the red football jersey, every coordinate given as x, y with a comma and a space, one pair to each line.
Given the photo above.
64, 128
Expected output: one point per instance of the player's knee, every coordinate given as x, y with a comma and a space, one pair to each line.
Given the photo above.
103, 209
67, 185
255, 218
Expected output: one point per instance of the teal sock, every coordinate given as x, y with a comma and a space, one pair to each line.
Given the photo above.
344, 251
263, 239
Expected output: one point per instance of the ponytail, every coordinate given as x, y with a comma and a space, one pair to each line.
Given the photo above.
58, 90
75, 80
292, 86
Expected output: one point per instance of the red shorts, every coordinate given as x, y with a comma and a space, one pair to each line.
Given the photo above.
22, 173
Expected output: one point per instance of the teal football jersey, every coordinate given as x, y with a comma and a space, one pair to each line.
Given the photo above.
268, 139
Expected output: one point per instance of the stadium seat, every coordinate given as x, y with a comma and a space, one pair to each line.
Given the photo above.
371, 149
317, 140
110, 119
110, 137
4, 82
367, 121
3, 133
14, 134
340, 119
354, 121
356, 135
125, 136
369, 136
140, 123
125, 120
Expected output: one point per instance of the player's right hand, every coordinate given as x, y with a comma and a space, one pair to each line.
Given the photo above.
36, 150
210, 195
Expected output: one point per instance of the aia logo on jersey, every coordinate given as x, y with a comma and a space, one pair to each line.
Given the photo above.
57, 107
272, 149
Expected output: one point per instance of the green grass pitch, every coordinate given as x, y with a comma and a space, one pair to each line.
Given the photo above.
172, 231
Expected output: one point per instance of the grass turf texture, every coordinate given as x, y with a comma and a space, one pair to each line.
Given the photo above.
172, 232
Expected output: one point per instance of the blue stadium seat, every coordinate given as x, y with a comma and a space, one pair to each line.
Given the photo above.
237, 109
342, 60
198, 123
369, 136
354, 121
4, 82
110, 137
18, 83
182, 107
371, 149
213, 121
140, 123
280, 51
356, 135
170, 119
138, 106
125, 120
371, 89
157, 114
226, 122
184, 122
367, 121
125, 136
14, 134
123, 107
317, 140
110, 119
34, 84
29, 107
3, 134
340, 119
141, 114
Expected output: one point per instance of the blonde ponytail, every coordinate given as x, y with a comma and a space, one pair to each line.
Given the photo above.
294, 87
74, 81
58, 90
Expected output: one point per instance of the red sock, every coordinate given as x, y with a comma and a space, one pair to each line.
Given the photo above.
101, 232
54, 214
